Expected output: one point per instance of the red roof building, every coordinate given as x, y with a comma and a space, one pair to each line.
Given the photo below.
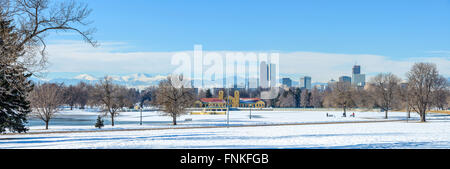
212, 100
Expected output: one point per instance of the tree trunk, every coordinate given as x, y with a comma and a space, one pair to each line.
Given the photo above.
112, 120
46, 125
345, 112
423, 116
386, 114
174, 119
409, 112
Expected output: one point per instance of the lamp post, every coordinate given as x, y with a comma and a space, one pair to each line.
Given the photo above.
250, 112
140, 108
141, 117
228, 108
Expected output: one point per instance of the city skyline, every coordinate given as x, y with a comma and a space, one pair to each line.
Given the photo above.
232, 80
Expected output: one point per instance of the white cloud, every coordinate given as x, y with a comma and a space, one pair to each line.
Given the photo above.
74, 56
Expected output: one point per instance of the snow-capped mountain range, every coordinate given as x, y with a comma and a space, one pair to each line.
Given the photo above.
137, 80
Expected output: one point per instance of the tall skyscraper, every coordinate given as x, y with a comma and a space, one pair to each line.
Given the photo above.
267, 76
357, 69
263, 75
358, 79
273, 75
305, 82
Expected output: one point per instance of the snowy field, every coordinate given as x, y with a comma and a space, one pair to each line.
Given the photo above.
400, 134
82, 120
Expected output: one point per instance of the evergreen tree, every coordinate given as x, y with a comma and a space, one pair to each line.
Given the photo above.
14, 106
14, 86
208, 93
99, 124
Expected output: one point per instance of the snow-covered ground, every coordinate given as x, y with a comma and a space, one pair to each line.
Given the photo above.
77, 120
433, 134
400, 134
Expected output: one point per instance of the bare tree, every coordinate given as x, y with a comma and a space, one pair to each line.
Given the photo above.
93, 100
70, 96
273, 102
403, 98
385, 88
125, 97
341, 96
35, 19
327, 98
106, 93
147, 96
363, 98
46, 100
297, 94
440, 98
76, 95
423, 81
82, 94
173, 99
286, 99
304, 100
448, 100
316, 98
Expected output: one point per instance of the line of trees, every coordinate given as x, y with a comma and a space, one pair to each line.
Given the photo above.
49, 98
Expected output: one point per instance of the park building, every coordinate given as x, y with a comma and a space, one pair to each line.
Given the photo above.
234, 102
211, 102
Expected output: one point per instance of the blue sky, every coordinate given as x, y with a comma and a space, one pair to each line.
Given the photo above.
397, 30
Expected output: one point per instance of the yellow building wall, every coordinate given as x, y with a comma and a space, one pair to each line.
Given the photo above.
234, 102
221, 94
